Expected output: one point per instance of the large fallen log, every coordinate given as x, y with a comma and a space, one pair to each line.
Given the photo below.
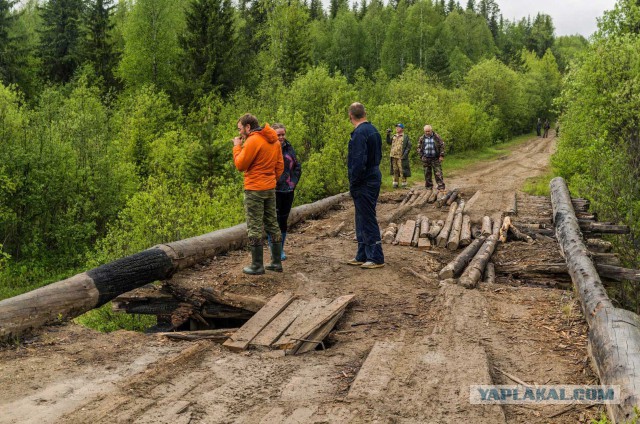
487, 227
609, 272
465, 232
602, 228
614, 334
91, 289
457, 265
456, 228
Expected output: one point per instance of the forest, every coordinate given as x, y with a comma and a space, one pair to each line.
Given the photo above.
116, 118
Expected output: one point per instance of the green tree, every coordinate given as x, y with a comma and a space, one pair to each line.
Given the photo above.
8, 59
348, 44
336, 6
60, 38
468, 32
316, 11
151, 51
541, 35
209, 44
623, 19
395, 54
98, 47
288, 29
567, 48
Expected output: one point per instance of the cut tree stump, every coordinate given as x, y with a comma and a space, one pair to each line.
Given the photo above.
614, 334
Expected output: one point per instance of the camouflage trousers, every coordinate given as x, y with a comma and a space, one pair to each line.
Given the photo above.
396, 165
433, 165
260, 210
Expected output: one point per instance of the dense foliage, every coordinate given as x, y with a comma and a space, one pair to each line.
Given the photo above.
599, 149
116, 117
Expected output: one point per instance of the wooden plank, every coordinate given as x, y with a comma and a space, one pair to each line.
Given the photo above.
320, 317
377, 371
241, 339
424, 243
310, 309
406, 233
318, 336
274, 330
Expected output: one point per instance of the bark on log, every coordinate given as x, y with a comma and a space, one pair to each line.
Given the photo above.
424, 227
397, 239
490, 273
614, 334
472, 275
518, 235
456, 228
444, 198
504, 229
407, 198
487, 227
456, 266
416, 233
91, 289
606, 258
476, 232
465, 233
452, 198
435, 229
601, 228
442, 238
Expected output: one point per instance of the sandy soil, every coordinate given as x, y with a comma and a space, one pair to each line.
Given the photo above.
428, 341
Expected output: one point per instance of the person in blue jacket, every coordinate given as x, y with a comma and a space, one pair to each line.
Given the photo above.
365, 153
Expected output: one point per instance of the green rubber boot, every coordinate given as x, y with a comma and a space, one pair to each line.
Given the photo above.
256, 267
276, 257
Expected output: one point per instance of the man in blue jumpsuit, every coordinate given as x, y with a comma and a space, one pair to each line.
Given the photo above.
365, 153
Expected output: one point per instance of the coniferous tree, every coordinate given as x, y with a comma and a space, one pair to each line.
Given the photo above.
290, 39
315, 9
60, 38
471, 5
7, 43
97, 47
541, 35
336, 5
209, 46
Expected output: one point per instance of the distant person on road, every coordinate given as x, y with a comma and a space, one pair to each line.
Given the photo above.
287, 183
557, 129
400, 148
547, 125
539, 127
257, 153
431, 152
365, 153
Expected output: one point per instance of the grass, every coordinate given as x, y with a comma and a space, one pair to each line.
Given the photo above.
454, 162
539, 186
105, 320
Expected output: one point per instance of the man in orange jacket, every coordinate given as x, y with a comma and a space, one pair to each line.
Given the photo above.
260, 158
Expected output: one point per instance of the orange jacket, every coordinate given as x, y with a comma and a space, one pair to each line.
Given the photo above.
260, 158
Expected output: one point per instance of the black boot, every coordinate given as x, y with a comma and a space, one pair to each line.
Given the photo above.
276, 258
256, 267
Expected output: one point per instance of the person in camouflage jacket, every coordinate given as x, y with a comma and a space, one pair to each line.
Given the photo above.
431, 152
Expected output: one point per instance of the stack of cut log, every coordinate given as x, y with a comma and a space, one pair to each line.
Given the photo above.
452, 233
294, 325
413, 198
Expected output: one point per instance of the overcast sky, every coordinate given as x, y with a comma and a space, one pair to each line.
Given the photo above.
569, 16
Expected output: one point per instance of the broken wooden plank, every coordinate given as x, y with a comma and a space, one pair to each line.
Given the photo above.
314, 321
316, 337
241, 338
278, 326
309, 311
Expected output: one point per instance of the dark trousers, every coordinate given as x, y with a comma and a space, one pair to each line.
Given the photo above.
284, 200
433, 165
365, 198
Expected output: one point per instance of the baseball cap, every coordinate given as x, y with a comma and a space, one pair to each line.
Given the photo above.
400, 125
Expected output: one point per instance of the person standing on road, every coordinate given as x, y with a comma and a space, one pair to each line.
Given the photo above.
287, 183
547, 125
257, 153
400, 148
431, 152
365, 154
539, 127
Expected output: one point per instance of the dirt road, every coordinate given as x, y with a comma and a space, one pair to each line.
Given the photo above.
422, 343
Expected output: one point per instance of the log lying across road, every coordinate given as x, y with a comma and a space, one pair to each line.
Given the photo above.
614, 334
91, 289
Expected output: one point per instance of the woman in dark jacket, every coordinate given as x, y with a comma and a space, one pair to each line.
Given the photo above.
287, 183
